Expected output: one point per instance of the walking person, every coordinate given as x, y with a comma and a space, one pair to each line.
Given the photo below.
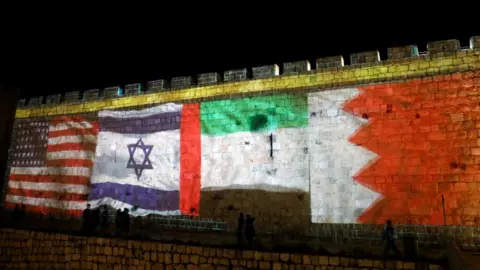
250, 229
241, 230
390, 236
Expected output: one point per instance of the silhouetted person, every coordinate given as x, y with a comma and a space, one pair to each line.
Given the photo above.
389, 235
104, 218
249, 229
126, 221
95, 220
87, 219
119, 221
240, 229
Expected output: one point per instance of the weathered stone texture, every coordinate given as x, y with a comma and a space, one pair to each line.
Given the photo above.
364, 57
330, 62
157, 85
209, 78
236, 75
38, 250
111, 92
402, 52
183, 82
265, 71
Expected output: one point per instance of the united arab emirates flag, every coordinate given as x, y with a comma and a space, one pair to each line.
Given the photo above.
254, 158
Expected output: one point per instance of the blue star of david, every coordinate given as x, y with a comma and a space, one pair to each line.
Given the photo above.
145, 164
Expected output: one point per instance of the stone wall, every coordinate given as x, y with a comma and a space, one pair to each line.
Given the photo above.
37, 250
403, 129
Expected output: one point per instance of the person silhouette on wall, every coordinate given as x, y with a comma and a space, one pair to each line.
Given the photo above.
240, 229
126, 221
87, 219
389, 235
250, 229
119, 221
104, 218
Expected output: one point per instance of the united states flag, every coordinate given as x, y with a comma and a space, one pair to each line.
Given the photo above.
52, 164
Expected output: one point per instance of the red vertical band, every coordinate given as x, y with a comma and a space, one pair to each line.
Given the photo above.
190, 160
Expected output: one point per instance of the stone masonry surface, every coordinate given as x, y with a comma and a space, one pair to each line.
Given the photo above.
38, 250
377, 72
416, 117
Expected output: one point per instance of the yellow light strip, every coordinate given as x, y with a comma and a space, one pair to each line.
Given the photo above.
461, 61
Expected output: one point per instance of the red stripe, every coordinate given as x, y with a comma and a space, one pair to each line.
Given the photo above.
47, 210
69, 163
71, 147
190, 160
61, 179
72, 132
45, 194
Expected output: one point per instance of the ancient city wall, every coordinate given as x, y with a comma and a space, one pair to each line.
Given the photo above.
37, 250
378, 139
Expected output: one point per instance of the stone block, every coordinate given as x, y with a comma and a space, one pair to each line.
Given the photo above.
35, 101
296, 67
133, 89
183, 82
52, 99
364, 57
71, 97
112, 92
157, 85
443, 46
475, 42
236, 75
21, 102
330, 62
402, 52
209, 78
266, 71
92, 94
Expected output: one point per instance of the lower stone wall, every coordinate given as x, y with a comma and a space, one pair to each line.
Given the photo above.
37, 250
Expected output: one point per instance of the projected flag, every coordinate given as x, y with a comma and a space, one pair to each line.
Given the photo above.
52, 164
141, 161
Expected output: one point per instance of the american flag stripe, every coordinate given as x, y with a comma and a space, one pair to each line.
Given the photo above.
76, 154
70, 163
39, 204
72, 132
72, 146
66, 188
69, 125
72, 139
51, 171
48, 195
60, 185
44, 209
63, 179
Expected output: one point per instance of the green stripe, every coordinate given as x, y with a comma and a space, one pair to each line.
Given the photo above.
255, 114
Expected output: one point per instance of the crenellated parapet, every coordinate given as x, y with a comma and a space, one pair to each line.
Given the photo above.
330, 66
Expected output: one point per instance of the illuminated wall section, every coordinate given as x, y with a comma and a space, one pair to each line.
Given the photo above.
359, 154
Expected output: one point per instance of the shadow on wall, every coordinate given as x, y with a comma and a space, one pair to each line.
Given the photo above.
273, 211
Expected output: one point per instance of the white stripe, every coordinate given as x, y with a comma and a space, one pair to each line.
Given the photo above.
73, 171
70, 125
137, 212
69, 205
242, 160
335, 196
169, 107
61, 188
73, 139
70, 155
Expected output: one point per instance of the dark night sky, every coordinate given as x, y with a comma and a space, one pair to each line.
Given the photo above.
50, 59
